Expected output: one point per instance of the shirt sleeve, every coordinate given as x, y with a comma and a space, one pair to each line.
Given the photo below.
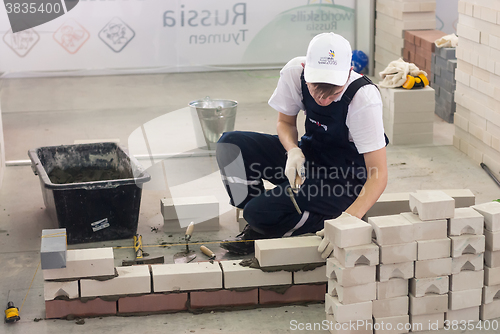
365, 120
287, 97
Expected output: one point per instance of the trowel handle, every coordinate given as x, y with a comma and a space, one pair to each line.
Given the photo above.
205, 250
189, 231
138, 246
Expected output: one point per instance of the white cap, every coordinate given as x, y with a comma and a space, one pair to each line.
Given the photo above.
328, 59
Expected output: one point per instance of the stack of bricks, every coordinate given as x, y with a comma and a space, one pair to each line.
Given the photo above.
398, 251
443, 67
408, 115
90, 285
430, 285
490, 307
419, 47
465, 230
351, 274
179, 212
393, 17
477, 116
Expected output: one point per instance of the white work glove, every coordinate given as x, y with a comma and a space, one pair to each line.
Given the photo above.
294, 169
326, 247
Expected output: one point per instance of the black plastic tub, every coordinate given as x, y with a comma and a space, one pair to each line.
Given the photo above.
99, 209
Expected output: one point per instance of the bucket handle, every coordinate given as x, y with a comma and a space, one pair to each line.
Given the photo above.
34, 169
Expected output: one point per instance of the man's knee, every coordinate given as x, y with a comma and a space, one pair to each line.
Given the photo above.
228, 148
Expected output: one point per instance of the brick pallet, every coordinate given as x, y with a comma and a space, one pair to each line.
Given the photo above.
444, 64
393, 17
477, 116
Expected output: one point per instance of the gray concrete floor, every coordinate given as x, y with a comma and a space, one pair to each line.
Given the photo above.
55, 111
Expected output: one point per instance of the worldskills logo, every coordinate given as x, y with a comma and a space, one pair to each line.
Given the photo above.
332, 54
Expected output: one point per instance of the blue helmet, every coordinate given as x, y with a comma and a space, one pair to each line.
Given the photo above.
359, 60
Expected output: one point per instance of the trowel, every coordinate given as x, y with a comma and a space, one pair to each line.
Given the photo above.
186, 256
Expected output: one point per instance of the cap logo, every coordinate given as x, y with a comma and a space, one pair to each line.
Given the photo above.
330, 60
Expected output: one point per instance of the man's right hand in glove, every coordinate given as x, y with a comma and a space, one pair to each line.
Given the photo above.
294, 169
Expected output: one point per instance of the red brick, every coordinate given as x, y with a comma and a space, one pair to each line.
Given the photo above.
62, 308
419, 61
418, 41
157, 302
295, 294
409, 37
406, 55
410, 46
412, 57
209, 299
427, 54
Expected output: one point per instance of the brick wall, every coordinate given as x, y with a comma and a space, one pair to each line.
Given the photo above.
477, 116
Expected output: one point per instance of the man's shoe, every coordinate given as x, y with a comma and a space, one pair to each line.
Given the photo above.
241, 247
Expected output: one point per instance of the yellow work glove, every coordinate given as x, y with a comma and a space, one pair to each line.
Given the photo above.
294, 168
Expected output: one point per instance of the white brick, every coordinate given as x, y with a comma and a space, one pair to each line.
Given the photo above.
433, 268
491, 213
433, 249
391, 307
189, 207
386, 272
466, 221
286, 251
467, 244
348, 231
428, 304
427, 230
459, 300
427, 322
420, 287
130, 280
491, 293
358, 255
392, 322
236, 276
240, 219
311, 276
398, 253
405, 97
186, 276
432, 205
490, 311
347, 312
467, 280
365, 326
391, 230
349, 276
390, 204
392, 288
473, 262
467, 314
492, 259
492, 240
491, 276
174, 225
84, 263
469, 33
352, 294
52, 290
469, 9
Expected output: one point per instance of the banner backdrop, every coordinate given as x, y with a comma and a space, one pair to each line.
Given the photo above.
173, 35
